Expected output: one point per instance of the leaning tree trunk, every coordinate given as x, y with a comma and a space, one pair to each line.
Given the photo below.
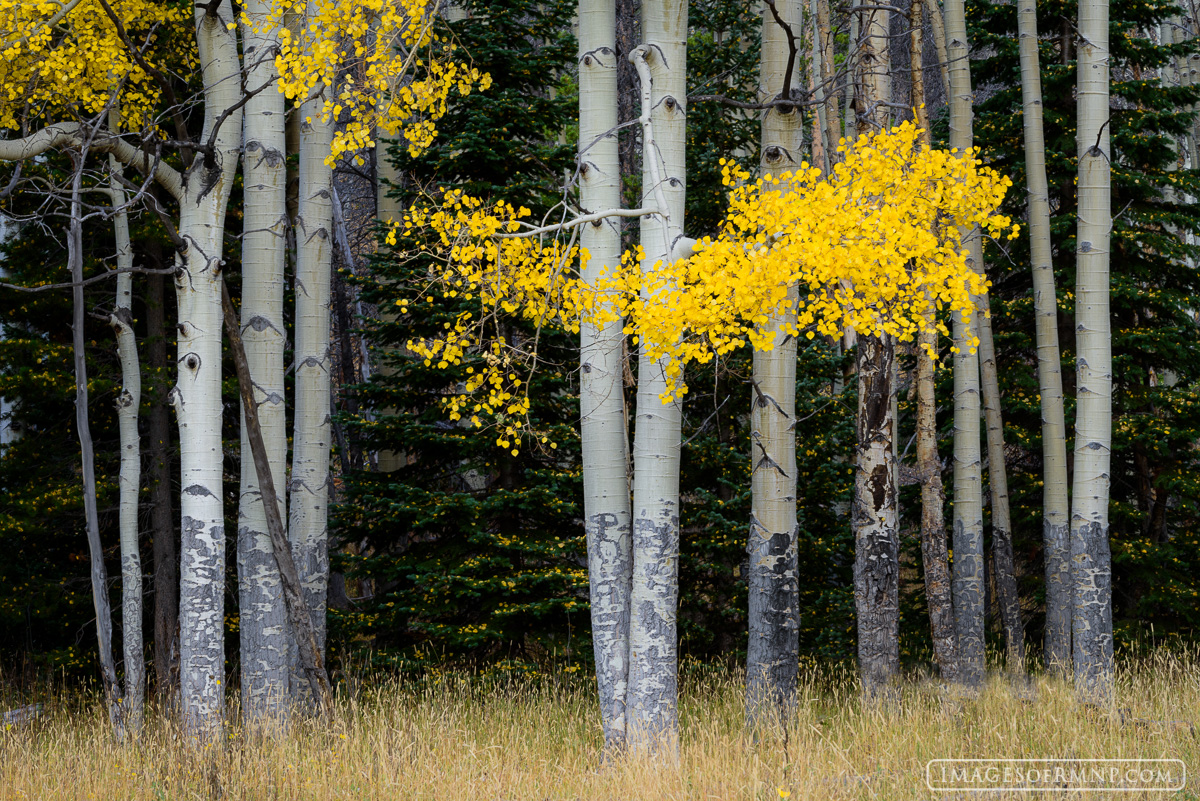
1002, 547
262, 624
1056, 535
128, 404
934, 555
772, 652
652, 708
197, 393
874, 516
108, 671
601, 387
1090, 560
309, 522
968, 480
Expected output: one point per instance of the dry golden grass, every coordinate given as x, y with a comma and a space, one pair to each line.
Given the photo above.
461, 738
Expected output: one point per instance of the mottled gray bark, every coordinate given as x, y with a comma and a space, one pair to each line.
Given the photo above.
603, 424
1060, 596
262, 628
652, 710
310, 651
772, 652
934, 555
876, 539
1055, 502
1091, 569
197, 393
968, 480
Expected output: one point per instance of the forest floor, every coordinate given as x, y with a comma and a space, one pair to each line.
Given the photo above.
454, 738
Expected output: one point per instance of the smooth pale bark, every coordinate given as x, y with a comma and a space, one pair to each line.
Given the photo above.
652, 707
309, 521
262, 623
874, 516
934, 554
825, 69
130, 477
603, 427
772, 652
1091, 568
968, 480
197, 394
937, 22
7, 433
162, 505
1003, 563
1055, 502
309, 655
850, 124
100, 602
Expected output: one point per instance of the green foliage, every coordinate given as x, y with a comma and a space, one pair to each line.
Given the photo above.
467, 551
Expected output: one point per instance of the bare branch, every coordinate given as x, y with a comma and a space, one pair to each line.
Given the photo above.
93, 280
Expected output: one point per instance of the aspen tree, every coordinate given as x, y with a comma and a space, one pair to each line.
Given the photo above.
1055, 503
652, 708
968, 564
874, 513
772, 652
1003, 563
262, 624
308, 528
603, 424
128, 404
1091, 570
99, 574
934, 555
197, 394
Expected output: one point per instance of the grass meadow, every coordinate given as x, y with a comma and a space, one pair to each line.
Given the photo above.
456, 737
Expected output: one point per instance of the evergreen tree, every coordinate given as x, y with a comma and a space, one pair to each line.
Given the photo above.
472, 549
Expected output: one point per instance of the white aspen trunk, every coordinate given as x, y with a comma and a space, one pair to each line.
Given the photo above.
823, 58
603, 426
128, 404
308, 528
772, 653
263, 628
1090, 559
874, 515
7, 433
1055, 502
197, 393
968, 481
934, 554
937, 22
99, 574
652, 707
1003, 562
849, 123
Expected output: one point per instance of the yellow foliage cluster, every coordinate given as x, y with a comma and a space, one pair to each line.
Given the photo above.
61, 56
370, 50
875, 246
519, 276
